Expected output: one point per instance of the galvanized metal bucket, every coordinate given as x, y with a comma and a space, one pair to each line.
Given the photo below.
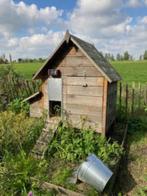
94, 172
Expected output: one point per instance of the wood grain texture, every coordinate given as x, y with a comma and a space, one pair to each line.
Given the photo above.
88, 117
45, 98
104, 107
83, 100
35, 109
80, 121
74, 61
84, 91
79, 71
74, 51
80, 81
84, 110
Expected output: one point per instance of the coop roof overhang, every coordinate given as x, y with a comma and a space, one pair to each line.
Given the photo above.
35, 95
90, 52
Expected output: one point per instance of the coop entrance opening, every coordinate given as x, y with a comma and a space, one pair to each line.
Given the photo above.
55, 108
55, 96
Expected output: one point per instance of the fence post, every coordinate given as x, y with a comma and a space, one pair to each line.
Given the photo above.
28, 87
120, 95
133, 93
145, 95
139, 95
126, 104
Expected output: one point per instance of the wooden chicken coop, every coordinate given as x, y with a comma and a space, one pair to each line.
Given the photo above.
78, 83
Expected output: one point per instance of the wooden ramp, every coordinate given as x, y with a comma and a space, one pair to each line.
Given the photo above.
45, 137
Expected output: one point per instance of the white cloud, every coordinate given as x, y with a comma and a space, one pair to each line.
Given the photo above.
145, 1
134, 3
104, 23
143, 20
36, 45
25, 30
20, 16
101, 18
101, 6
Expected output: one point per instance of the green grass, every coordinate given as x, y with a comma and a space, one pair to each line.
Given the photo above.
132, 70
129, 70
27, 69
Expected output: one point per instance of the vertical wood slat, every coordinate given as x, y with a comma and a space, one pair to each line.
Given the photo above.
133, 96
104, 105
120, 95
19, 87
28, 86
10, 88
139, 95
126, 100
34, 85
14, 85
145, 95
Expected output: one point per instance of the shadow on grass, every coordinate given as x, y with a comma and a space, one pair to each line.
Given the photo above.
137, 129
124, 180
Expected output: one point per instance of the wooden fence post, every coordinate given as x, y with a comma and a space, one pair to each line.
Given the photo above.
28, 87
126, 101
120, 95
145, 95
139, 95
133, 98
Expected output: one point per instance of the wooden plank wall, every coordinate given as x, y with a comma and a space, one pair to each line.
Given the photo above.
111, 104
36, 109
82, 90
45, 95
39, 105
76, 64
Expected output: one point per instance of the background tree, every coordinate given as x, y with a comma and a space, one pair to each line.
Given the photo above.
3, 59
145, 55
141, 57
118, 57
126, 55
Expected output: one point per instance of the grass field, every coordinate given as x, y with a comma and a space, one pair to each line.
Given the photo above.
129, 70
132, 70
27, 69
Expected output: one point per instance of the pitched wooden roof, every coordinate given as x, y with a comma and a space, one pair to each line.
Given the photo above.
92, 54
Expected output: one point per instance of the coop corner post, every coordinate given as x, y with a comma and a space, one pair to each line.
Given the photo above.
104, 106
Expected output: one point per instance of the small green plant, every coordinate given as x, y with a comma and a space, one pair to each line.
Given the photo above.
16, 173
74, 145
18, 106
61, 175
18, 131
145, 108
142, 191
136, 124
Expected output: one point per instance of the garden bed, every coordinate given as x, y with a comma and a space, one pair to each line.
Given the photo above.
69, 149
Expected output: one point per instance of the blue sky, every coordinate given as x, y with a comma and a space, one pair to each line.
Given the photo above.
60, 4
33, 28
